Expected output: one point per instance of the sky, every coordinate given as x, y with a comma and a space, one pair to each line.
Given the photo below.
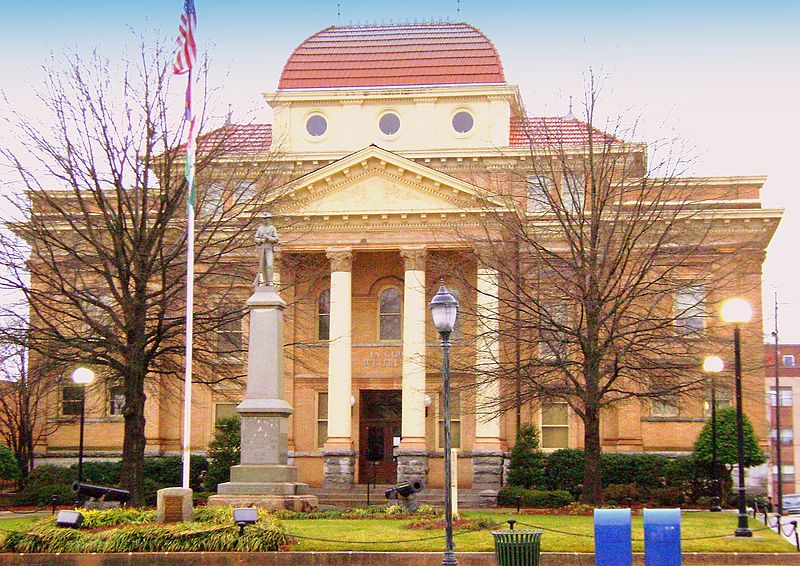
724, 76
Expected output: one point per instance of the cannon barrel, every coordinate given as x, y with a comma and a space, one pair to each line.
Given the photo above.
101, 492
406, 489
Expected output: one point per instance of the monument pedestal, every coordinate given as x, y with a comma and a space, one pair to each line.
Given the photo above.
264, 478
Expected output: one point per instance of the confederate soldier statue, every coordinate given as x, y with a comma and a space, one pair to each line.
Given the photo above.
267, 240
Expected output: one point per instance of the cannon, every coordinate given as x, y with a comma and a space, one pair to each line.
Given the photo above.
404, 493
101, 493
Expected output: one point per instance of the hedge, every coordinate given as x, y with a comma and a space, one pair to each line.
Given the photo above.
48, 480
509, 495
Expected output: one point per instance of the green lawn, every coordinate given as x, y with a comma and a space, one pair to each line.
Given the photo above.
18, 522
344, 532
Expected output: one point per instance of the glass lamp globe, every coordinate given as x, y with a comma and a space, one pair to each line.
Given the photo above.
736, 311
713, 364
444, 310
83, 376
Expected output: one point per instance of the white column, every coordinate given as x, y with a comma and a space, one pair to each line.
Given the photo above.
414, 313
340, 435
487, 352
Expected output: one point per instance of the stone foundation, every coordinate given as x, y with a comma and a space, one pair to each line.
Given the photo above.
487, 471
412, 465
339, 469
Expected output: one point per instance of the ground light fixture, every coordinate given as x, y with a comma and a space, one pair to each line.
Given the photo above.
83, 377
737, 312
244, 516
444, 311
714, 365
69, 519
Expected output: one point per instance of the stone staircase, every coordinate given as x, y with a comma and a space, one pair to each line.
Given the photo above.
357, 496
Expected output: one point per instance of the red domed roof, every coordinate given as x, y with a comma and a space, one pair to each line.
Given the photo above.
393, 55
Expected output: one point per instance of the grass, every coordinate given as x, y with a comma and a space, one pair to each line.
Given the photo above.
342, 532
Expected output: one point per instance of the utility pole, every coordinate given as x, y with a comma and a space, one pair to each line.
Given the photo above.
778, 411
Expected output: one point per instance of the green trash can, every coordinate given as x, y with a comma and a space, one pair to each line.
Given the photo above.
517, 548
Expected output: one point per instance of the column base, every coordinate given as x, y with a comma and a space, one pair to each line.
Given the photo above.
339, 469
412, 465
487, 470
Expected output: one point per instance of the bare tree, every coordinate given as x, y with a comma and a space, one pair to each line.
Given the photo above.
607, 269
24, 397
96, 245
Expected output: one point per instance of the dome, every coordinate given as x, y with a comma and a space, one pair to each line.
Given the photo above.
393, 55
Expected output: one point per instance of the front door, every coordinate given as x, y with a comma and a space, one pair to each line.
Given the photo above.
379, 434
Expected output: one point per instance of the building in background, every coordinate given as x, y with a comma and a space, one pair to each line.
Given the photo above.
787, 401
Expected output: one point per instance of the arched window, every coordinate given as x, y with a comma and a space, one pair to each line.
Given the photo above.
390, 306
324, 315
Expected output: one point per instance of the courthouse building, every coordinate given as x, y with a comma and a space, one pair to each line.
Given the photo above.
394, 137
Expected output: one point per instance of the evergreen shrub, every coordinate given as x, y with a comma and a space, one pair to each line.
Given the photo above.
527, 461
223, 452
509, 495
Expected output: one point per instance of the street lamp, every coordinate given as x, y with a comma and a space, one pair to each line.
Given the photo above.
737, 312
83, 377
714, 365
444, 310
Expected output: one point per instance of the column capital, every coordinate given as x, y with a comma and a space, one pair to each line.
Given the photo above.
414, 257
341, 258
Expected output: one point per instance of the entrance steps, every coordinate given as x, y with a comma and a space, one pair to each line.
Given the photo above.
357, 496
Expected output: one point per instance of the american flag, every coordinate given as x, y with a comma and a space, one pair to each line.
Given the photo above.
187, 49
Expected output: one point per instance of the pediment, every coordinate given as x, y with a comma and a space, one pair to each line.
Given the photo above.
376, 181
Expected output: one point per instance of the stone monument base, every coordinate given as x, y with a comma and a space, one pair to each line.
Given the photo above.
303, 503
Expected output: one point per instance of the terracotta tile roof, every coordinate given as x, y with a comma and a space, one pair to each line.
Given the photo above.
237, 140
393, 55
555, 131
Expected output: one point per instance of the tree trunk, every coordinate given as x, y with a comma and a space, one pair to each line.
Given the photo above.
133, 446
592, 484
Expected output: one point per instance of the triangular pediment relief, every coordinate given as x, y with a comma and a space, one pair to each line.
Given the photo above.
377, 181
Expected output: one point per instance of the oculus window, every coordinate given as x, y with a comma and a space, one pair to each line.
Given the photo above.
463, 122
389, 124
316, 125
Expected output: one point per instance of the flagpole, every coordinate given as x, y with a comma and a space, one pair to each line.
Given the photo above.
187, 393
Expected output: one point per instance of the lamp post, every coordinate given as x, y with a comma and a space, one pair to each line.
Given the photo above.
737, 312
714, 365
444, 310
83, 377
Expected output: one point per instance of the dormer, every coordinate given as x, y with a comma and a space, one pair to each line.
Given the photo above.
405, 87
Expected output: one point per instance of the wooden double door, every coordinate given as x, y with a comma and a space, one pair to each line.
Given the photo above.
379, 434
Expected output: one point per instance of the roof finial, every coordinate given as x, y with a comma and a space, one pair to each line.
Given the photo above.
458, 9
570, 115
338, 13
229, 118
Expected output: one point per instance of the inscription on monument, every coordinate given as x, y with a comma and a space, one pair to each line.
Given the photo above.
173, 509
383, 359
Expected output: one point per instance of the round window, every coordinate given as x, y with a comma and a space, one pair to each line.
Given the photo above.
316, 125
389, 124
462, 122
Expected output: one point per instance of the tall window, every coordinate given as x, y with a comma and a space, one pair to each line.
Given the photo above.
555, 425
689, 312
71, 399
322, 419
787, 435
229, 335
538, 189
224, 411
455, 421
573, 191
211, 202
786, 397
245, 192
324, 315
116, 399
723, 397
553, 342
787, 473
390, 306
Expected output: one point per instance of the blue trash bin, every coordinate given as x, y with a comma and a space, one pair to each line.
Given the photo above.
662, 537
612, 537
